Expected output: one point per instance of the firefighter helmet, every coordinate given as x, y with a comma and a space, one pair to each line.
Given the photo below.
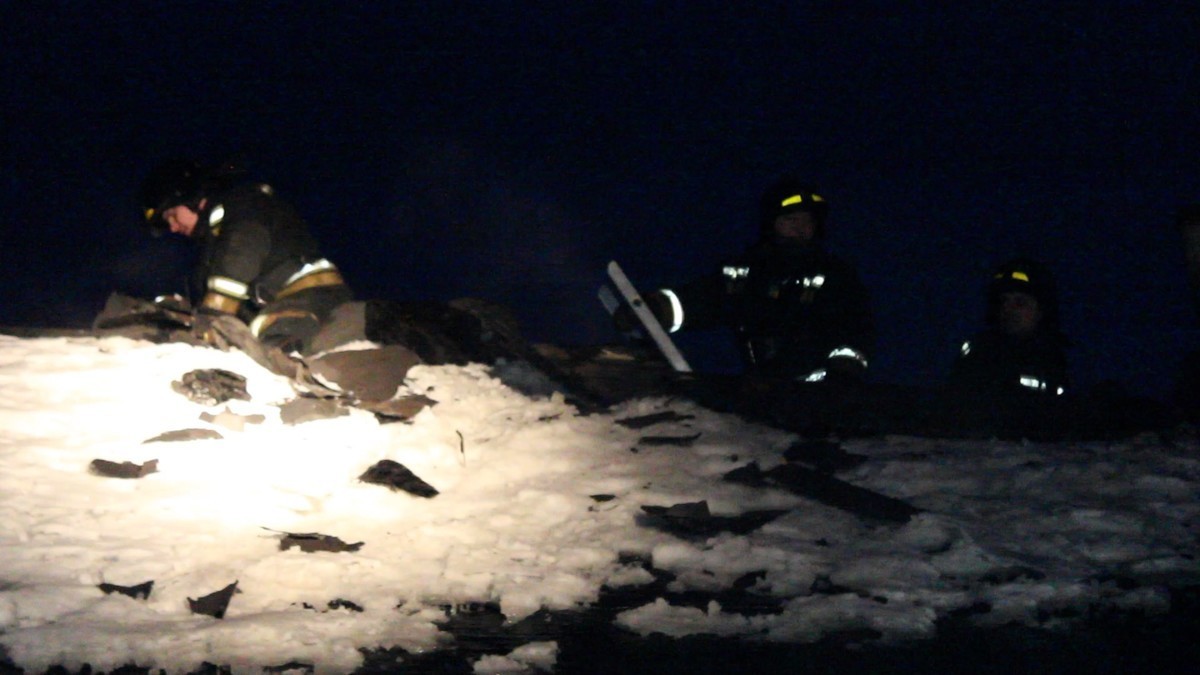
788, 196
182, 181
1023, 275
171, 183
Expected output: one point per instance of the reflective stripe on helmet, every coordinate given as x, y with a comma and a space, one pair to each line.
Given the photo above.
800, 199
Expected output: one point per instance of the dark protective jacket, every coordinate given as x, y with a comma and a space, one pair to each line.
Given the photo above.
261, 263
798, 311
993, 363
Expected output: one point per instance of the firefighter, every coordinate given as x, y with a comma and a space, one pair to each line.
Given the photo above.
259, 263
798, 311
1021, 351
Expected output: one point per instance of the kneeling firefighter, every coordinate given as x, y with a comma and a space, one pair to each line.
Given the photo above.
260, 262
262, 266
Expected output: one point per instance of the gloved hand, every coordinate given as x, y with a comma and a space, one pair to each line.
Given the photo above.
204, 331
173, 303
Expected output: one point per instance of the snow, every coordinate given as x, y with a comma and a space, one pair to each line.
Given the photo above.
523, 518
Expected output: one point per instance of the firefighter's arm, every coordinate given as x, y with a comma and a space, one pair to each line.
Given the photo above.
240, 247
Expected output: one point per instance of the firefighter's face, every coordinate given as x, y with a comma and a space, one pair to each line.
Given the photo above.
181, 220
797, 226
1020, 314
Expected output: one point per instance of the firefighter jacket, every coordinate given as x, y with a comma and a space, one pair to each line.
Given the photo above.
261, 263
994, 363
798, 311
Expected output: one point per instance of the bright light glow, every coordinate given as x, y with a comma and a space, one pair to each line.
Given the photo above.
515, 521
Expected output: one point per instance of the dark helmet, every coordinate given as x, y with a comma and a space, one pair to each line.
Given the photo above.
788, 196
180, 181
1022, 275
171, 183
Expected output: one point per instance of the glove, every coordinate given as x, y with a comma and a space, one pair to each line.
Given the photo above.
173, 303
205, 332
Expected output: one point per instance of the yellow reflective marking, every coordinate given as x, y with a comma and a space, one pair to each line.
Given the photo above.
150, 214
799, 199
1020, 276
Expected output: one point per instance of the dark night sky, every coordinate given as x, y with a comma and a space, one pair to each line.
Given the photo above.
509, 150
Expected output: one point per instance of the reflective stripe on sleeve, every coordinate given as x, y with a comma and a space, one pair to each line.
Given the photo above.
309, 268
676, 310
231, 287
1038, 385
220, 303
847, 352
817, 375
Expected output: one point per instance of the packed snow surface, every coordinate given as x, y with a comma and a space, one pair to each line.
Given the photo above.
538, 506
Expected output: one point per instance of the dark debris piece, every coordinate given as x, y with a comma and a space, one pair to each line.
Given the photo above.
213, 604
339, 603
643, 421
291, 667
311, 542
397, 477
694, 518
826, 489
748, 580
334, 605
301, 410
1005, 575
668, 440
822, 585
750, 475
212, 386
824, 456
184, 435
603, 498
103, 467
138, 592
398, 409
